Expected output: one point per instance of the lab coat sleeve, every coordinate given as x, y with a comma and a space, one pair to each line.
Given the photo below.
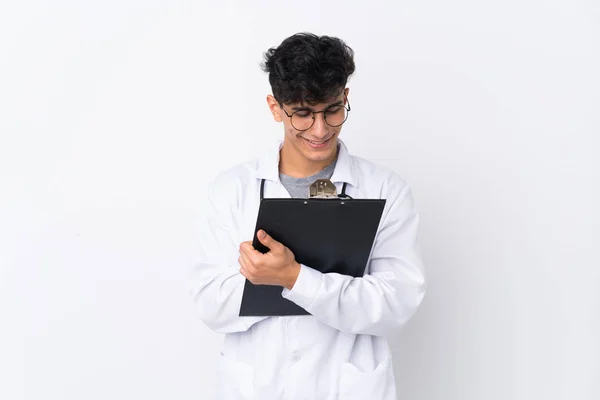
216, 284
383, 300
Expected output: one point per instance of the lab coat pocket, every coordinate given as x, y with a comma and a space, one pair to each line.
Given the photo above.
376, 385
235, 380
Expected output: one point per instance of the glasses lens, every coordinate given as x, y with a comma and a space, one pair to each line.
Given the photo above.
302, 120
336, 116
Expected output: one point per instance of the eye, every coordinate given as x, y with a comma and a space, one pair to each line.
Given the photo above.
334, 110
303, 114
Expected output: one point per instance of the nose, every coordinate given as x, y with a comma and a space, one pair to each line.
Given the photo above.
320, 127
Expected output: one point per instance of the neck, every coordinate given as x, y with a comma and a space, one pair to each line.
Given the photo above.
293, 164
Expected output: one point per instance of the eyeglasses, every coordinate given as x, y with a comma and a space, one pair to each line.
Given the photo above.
304, 118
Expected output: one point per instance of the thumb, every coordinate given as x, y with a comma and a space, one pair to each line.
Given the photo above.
266, 239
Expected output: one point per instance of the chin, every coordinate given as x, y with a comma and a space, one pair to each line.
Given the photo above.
319, 155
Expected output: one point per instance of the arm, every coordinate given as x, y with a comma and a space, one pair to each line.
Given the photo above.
216, 284
382, 301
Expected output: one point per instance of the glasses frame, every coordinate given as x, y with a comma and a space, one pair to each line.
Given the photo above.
314, 118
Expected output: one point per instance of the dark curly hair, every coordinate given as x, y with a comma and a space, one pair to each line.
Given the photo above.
306, 68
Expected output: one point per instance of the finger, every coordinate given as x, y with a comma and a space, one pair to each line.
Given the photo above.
245, 246
243, 268
249, 250
247, 262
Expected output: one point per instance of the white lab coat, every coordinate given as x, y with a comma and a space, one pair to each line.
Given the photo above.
341, 350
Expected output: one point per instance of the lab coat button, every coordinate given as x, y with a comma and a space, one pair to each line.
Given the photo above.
296, 358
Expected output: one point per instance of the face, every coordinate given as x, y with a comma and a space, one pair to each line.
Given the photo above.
318, 144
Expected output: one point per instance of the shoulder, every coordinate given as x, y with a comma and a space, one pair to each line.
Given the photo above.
231, 182
389, 185
375, 175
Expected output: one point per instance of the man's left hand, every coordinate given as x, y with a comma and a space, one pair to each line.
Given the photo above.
277, 267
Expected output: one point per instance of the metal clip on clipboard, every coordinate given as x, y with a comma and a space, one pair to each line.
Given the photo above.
325, 189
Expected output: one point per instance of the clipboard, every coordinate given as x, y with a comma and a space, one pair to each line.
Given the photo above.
327, 234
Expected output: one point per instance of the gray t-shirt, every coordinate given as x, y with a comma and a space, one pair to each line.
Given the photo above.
298, 187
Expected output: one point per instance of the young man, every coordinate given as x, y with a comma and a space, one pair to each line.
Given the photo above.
340, 351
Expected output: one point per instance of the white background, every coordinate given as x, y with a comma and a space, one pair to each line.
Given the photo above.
114, 115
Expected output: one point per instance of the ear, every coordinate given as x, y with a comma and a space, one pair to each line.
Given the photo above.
346, 91
274, 108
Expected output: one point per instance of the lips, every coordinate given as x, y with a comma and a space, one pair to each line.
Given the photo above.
315, 142
316, 145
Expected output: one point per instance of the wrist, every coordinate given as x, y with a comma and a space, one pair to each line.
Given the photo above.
291, 276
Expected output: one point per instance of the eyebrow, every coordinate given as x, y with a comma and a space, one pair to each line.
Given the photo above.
337, 103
